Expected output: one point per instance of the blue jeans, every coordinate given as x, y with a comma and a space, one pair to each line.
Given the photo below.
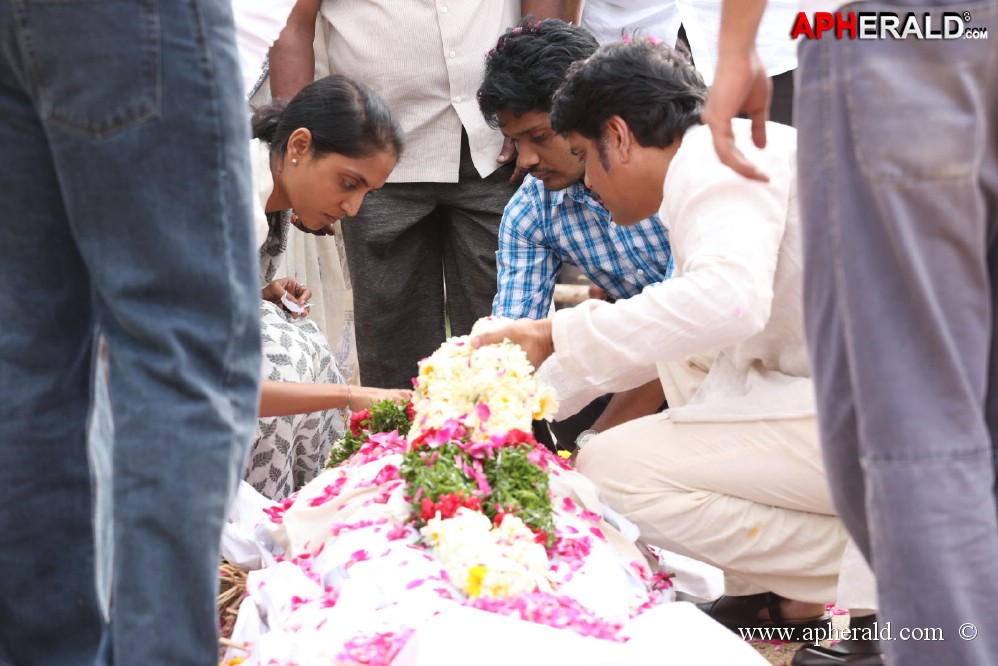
126, 201
898, 167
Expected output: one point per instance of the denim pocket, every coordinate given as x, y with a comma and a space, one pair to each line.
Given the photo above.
939, 131
95, 63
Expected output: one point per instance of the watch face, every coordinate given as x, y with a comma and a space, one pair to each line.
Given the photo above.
584, 437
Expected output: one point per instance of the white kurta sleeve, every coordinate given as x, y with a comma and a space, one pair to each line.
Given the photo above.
725, 233
574, 393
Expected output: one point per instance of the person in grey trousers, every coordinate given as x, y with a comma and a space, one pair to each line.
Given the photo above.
898, 164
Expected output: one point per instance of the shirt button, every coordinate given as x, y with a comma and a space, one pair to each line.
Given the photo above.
443, 10
458, 99
640, 272
452, 54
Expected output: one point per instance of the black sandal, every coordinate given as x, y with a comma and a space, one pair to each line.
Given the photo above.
742, 613
862, 648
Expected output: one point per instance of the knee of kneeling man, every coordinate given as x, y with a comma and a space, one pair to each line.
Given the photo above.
616, 465
597, 461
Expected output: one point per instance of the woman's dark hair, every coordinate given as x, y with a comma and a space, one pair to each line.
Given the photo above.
655, 90
528, 64
343, 115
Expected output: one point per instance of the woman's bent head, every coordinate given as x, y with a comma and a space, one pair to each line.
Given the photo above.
334, 142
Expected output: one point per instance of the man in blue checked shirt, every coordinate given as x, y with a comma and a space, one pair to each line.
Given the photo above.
554, 218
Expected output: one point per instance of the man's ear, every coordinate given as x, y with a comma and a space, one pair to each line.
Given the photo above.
618, 138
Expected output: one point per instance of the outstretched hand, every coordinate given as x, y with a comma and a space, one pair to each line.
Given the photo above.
740, 86
362, 397
534, 336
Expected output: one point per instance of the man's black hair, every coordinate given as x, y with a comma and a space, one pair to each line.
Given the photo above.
655, 90
528, 65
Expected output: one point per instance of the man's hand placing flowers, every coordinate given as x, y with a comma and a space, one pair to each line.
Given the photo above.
533, 335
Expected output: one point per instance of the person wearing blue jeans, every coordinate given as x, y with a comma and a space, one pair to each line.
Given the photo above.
898, 155
127, 209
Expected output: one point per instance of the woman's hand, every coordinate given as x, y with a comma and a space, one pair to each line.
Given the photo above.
362, 397
286, 398
294, 291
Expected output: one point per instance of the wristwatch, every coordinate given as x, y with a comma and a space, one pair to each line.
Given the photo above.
584, 437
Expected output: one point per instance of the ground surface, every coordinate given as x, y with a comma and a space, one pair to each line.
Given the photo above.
782, 653
778, 655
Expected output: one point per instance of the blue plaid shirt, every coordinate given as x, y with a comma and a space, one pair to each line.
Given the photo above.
541, 230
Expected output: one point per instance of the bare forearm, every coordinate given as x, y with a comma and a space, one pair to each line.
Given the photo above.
629, 405
573, 11
284, 398
292, 60
739, 26
566, 10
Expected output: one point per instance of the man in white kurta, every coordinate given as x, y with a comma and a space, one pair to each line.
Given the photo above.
731, 474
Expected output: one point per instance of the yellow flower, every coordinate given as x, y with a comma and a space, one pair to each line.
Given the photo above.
476, 574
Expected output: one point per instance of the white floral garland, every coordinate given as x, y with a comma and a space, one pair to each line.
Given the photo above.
491, 389
483, 561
